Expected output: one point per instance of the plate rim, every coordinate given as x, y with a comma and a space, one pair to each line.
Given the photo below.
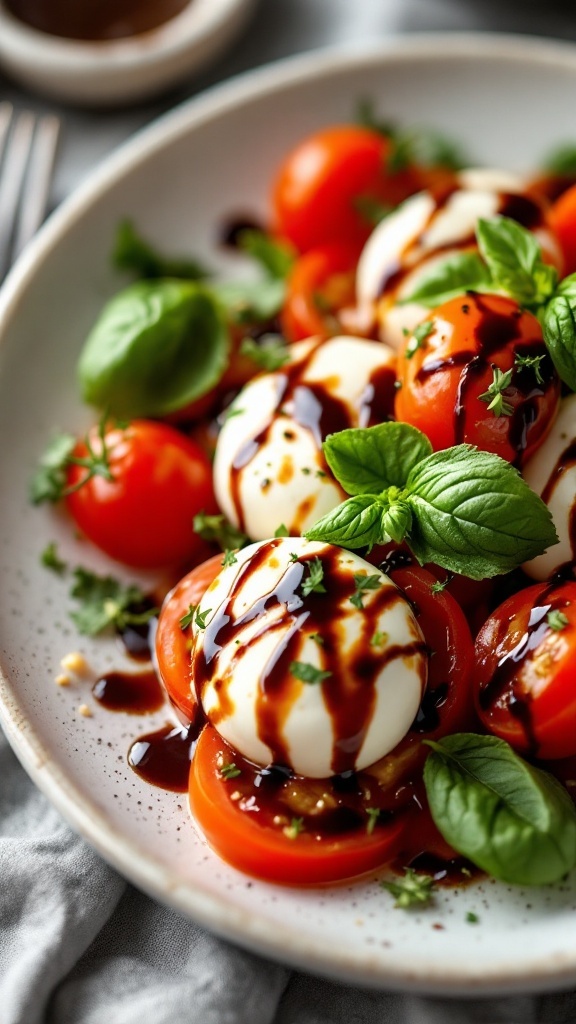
558, 970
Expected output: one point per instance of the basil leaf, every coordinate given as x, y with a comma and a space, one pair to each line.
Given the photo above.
511, 819
276, 258
474, 514
559, 330
514, 258
250, 301
372, 459
562, 161
456, 275
133, 253
157, 346
356, 523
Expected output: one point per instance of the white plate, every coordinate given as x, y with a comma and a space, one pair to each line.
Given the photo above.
509, 101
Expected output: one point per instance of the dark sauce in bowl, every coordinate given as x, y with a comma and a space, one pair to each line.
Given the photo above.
95, 20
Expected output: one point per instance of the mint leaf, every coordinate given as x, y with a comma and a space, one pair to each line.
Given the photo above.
559, 330
356, 523
474, 514
513, 820
456, 275
514, 259
371, 459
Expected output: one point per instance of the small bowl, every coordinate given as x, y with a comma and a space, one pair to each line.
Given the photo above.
108, 73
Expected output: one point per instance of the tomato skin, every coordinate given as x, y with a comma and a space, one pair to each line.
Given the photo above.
173, 644
326, 273
441, 382
143, 515
524, 672
563, 222
266, 852
317, 188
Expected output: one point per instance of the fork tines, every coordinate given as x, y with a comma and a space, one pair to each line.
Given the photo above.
27, 152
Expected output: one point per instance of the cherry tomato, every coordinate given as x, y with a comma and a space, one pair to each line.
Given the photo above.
524, 675
447, 369
326, 183
563, 222
173, 644
320, 283
140, 510
242, 833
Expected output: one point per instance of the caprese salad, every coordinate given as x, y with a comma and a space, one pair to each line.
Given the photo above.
379, 434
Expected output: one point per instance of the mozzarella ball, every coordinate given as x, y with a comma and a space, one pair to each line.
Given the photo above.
406, 246
269, 468
307, 678
551, 472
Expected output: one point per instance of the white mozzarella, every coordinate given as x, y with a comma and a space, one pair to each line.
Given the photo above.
246, 682
268, 468
551, 471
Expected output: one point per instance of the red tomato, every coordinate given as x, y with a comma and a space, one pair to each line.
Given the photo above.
320, 283
320, 188
470, 339
141, 511
563, 222
524, 685
173, 644
241, 832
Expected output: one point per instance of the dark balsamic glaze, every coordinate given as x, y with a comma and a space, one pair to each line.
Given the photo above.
162, 758
138, 693
505, 688
314, 407
494, 332
95, 19
349, 693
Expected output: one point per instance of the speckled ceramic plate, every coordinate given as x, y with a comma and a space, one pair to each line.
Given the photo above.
508, 101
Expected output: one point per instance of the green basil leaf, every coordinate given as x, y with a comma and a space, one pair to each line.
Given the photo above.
559, 330
562, 161
156, 346
250, 301
133, 253
356, 523
514, 258
276, 258
474, 514
456, 275
371, 459
511, 819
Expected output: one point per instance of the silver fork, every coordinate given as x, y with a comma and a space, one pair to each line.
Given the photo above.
28, 144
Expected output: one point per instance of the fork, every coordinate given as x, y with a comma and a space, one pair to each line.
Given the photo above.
28, 144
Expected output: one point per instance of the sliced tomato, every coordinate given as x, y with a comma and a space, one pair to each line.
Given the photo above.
563, 221
173, 643
242, 833
524, 673
320, 283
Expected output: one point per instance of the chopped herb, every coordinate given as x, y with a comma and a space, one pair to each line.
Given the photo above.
439, 585
321, 473
419, 335
276, 258
317, 638
472, 918
372, 210
200, 618
50, 559
218, 530
188, 618
530, 363
306, 471
379, 639
49, 480
494, 396
281, 531
413, 890
269, 354
373, 815
230, 771
557, 620
105, 602
229, 558
231, 411
132, 253
294, 829
363, 583
313, 582
293, 556
308, 673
